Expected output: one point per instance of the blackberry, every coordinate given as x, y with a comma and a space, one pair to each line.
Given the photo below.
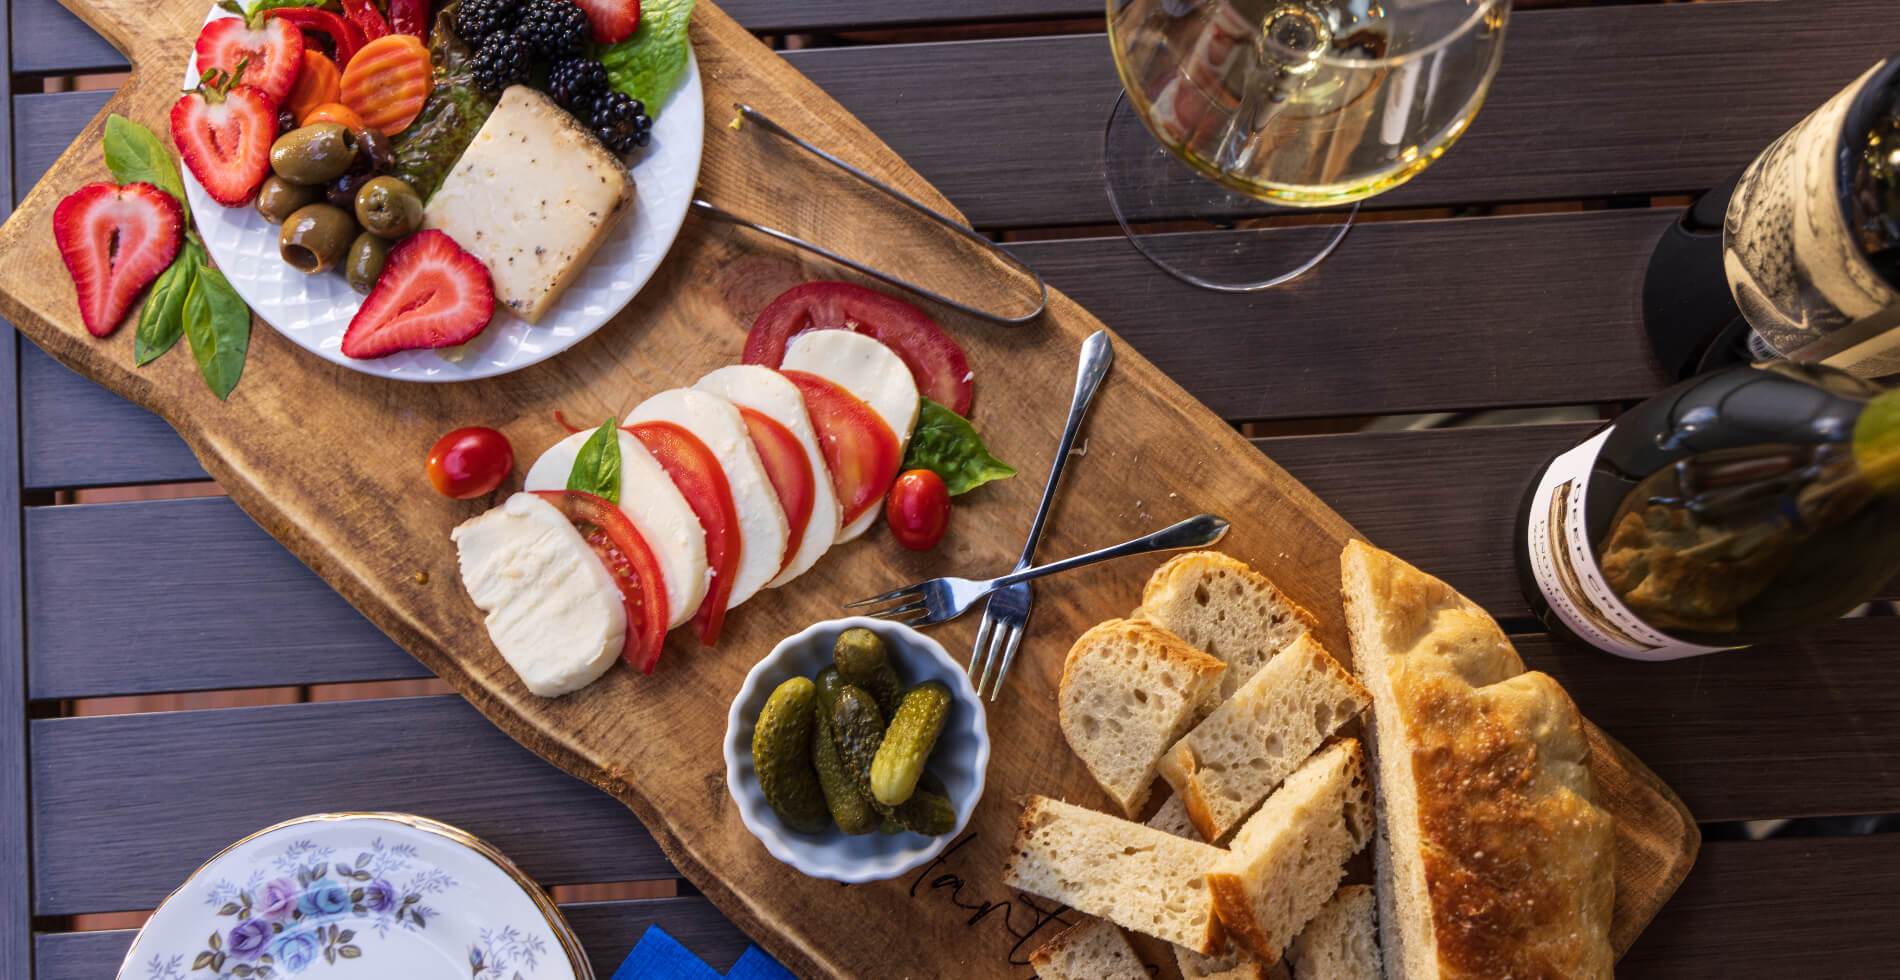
620, 121
503, 60
554, 29
478, 20
575, 82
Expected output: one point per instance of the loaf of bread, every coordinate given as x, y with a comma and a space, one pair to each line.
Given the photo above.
1132, 875
1494, 858
1342, 941
1228, 763
1223, 608
1289, 857
1089, 950
1129, 690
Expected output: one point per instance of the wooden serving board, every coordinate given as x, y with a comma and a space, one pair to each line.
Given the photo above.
329, 461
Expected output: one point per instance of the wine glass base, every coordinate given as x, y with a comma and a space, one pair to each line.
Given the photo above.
1198, 231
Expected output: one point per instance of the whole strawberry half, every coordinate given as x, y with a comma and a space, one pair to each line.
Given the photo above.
612, 20
115, 241
431, 294
271, 52
225, 136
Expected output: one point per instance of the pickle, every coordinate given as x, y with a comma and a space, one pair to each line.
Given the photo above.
889, 825
829, 682
864, 661
927, 813
849, 809
858, 729
907, 743
781, 752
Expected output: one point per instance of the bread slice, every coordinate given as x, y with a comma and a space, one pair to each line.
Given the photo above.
1134, 876
1342, 941
1223, 608
1493, 858
1289, 857
1089, 950
1230, 963
1172, 817
1230, 761
1129, 690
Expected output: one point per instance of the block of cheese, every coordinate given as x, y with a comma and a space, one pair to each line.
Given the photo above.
532, 197
553, 610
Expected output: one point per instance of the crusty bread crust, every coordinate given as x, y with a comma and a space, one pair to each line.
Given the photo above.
1220, 606
1193, 563
1494, 858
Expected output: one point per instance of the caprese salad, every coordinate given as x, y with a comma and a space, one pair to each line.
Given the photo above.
704, 495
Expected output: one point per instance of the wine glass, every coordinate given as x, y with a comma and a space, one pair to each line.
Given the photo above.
1250, 107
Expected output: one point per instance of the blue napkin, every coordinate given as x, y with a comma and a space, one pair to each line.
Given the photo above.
659, 956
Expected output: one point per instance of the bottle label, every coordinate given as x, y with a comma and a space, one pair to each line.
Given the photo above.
1565, 566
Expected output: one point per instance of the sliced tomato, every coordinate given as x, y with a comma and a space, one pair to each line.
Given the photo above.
789, 469
936, 362
860, 449
697, 474
628, 559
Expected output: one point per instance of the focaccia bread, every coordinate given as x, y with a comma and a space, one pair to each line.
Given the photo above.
1494, 858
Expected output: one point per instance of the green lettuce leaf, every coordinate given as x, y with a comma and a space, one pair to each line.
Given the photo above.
648, 65
597, 466
427, 149
946, 444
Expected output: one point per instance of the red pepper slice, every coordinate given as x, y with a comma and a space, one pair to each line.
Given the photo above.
410, 17
367, 18
620, 547
347, 37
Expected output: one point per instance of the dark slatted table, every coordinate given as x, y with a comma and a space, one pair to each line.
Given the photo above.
1515, 283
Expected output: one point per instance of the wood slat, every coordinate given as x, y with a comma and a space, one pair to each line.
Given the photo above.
83, 435
16, 950
1589, 102
219, 605
46, 124
49, 39
153, 796
1813, 907
607, 931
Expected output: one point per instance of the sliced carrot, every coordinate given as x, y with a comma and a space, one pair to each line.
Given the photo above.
387, 82
318, 82
335, 112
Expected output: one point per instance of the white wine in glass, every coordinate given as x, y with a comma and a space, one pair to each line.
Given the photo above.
1301, 103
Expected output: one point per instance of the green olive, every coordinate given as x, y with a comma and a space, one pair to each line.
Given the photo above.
389, 207
279, 197
365, 263
315, 154
316, 237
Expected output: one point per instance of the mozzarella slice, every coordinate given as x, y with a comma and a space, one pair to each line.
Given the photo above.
762, 528
657, 509
553, 610
869, 370
767, 392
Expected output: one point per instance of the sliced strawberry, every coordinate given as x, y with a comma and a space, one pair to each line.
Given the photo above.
612, 20
271, 51
225, 138
115, 241
431, 294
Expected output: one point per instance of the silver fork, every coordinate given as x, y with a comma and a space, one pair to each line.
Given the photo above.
1006, 616
942, 599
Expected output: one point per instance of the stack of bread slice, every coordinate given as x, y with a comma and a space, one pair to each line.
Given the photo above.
1215, 685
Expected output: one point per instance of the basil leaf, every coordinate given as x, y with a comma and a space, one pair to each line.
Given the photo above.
648, 65
597, 466
162, 320
262, 5
946, 444
218, 325
134, 154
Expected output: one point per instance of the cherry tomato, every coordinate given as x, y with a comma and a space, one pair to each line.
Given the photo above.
619, 546
936, 363
918, 509
859, 448
470, 462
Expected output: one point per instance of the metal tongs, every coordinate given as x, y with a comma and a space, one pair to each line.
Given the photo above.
764, 124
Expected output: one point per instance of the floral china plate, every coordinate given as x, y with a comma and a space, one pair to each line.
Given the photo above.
353, 896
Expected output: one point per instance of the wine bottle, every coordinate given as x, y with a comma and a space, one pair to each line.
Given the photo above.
1744, 504
1798, 255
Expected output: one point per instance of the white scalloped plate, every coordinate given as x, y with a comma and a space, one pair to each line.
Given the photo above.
314, 310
